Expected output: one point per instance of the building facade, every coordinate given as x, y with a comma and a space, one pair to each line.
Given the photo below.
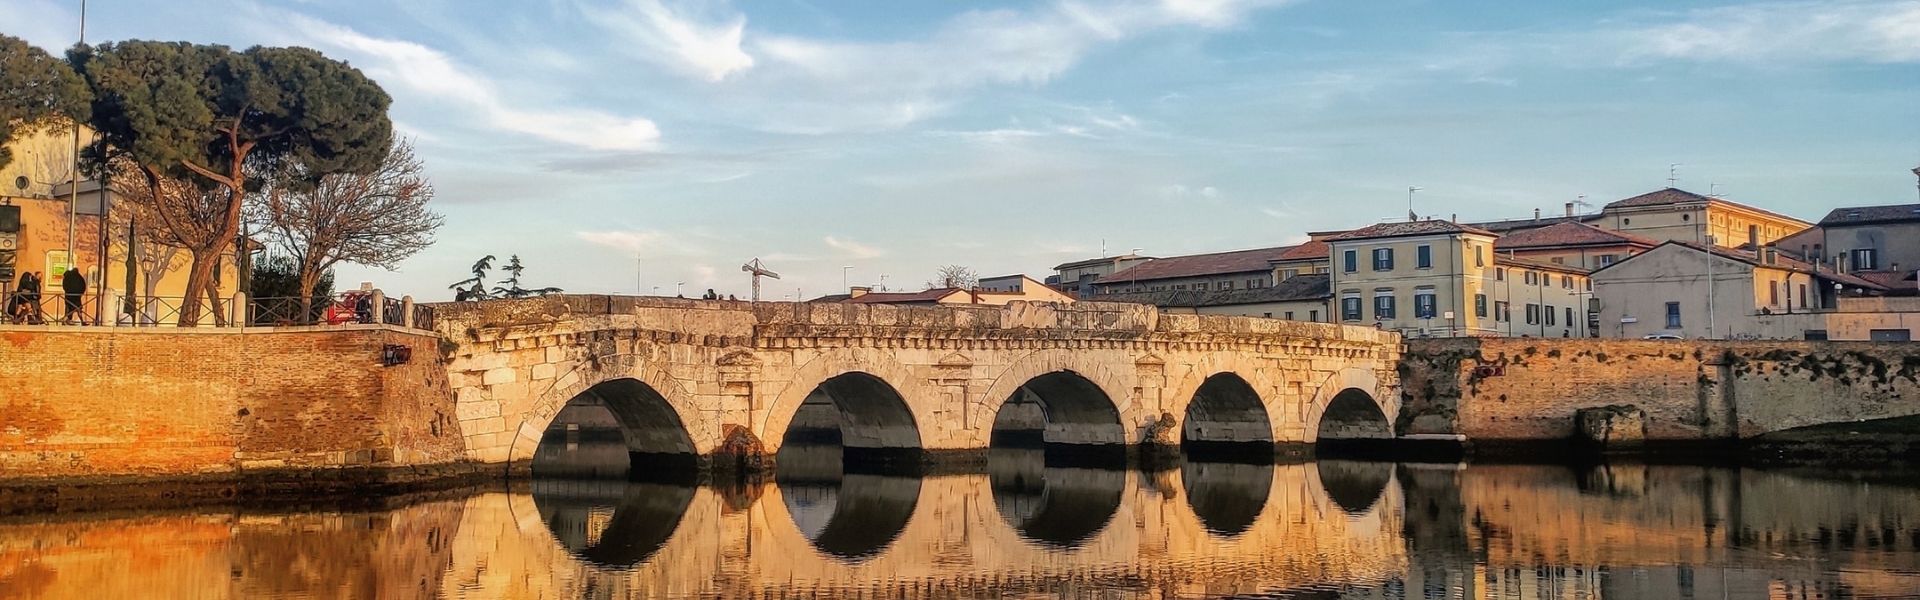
1696, 291
1442, 279
1678, 215
1574, 244
1877, 243
1077, 278
1301, 298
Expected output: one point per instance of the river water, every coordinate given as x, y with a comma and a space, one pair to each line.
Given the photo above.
1025, 529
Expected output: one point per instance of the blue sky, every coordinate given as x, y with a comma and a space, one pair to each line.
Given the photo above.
894, 137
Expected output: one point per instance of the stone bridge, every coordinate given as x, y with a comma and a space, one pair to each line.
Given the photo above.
702, 378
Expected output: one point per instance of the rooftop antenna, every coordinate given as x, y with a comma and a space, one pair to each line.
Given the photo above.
1713, 190
1916, 175
1673, 174
758, 270
1410, 214
1581, 201
1103, 247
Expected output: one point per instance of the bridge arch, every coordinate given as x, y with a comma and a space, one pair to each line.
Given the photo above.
648, 397
880, 402
1214, 376
1359, 407
1083, 399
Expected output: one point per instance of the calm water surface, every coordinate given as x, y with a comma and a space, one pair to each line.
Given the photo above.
1027, 529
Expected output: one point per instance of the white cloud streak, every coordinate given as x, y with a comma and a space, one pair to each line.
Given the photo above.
680, 36
1790, 32
407, 67
852, 249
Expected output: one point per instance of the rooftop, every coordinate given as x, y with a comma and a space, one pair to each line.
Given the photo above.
1096, 261
1781, 261
1862, 215
1509, 225
1569, 233
1540, 265
1197, 265
1300, 288
1408, 228
1313, 249
1671, 196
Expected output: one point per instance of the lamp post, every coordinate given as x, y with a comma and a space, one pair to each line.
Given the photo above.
73, 179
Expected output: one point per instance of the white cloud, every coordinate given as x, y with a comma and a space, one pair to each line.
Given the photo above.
862, 85
630, 242
1183, 191
677, 37
410, 67
853, 249
1869, 31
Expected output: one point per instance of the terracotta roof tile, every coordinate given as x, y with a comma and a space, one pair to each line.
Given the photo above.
1311, 250
1196, 265
1569, 233
1861, 215
1514, 261
1303, 287
1408, 228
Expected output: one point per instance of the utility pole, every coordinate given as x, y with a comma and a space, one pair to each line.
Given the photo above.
73, 179
1710, 288
1673, 175
843, 277
1411, 216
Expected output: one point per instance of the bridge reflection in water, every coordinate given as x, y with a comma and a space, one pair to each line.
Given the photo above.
1349, 530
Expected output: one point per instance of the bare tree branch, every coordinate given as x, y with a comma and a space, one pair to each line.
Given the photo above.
377, 219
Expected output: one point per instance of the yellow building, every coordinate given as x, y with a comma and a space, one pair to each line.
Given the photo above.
36, 186
1442, 279
1682, 216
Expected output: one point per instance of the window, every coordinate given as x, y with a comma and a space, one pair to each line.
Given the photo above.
1270, 315
1289, 315
1533, 314
1424, 306
1566, 282
1548, 313
1803, 295
1569, 316
1866, 259
1559, 260
1383, 259
1607, 259
1424, 256
1531, 278
1382, 305
1673, 315
1753, 235
1313, 315
1226, 285
1289, 274
1480, 305
1773, 293
1350, 261
1502, 311
1816, 335
1350, 307
1626, 221
1499, 274
1479, 256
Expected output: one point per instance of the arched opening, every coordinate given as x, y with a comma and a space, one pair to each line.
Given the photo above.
1056, 506
1228, 497
1063, 412
850, 516
620, 427
1355, 486
859, 415
1353, 424
1227, 420
610, 524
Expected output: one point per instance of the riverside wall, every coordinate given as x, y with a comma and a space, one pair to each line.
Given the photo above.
116, 404
1527, 389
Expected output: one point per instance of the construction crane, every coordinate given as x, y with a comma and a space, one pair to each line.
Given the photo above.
758, 270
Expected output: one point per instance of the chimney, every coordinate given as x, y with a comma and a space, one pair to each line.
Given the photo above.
1569, 209
858, 291
1536, 214
1771, 256
1455, 218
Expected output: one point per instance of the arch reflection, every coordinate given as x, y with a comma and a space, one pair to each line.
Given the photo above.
613, 524
852, 516
1355, 486
1054, 503
1227, 497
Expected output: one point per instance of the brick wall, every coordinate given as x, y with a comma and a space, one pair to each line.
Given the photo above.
1528, 389
158, 402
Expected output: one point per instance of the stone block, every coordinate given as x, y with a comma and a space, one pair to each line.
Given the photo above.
543, 371
1613, 425
499, 375
467, 411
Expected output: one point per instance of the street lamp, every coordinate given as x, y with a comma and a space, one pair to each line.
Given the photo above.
677, 292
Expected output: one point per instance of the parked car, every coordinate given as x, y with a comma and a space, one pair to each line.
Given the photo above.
1663, 336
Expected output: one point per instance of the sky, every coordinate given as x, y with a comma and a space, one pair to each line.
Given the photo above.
623, 146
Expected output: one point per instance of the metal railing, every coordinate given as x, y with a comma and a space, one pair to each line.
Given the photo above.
27, 308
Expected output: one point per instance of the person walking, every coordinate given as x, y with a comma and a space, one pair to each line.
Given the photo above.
75, 286
29, 293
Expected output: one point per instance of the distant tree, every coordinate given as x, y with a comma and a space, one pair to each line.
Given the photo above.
36, 90
475, 287
215, 119
954, 276
375, 219
278, 277
511, 287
